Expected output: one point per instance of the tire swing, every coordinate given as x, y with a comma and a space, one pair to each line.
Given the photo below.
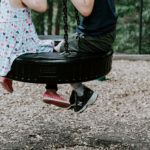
68, 67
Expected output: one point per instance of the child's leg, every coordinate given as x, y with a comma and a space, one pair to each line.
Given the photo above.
51, 97
46, 45
6, 84
83, 96
79, 88
57, 48
73, 41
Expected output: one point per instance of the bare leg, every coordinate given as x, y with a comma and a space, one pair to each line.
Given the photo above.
57, 48
78, 87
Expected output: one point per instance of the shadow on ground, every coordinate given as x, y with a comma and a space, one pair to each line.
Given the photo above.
51, 136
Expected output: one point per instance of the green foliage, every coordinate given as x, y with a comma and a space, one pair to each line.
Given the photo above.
146, 31
38, 20
128, 27
57, 19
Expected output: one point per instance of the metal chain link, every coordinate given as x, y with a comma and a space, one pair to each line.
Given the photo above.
65, 18
77, 16
65, 26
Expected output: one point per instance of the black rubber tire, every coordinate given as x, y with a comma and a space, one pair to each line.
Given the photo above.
60, 68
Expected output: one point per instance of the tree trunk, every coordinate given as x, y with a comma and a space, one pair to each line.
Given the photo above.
38, 20
42, 24
58, 17
50, 16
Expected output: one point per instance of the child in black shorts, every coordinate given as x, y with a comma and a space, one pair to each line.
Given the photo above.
95, 34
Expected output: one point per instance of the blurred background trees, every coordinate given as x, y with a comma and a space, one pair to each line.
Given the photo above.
51, 22
127, 28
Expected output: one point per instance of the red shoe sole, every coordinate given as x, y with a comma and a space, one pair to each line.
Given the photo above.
62, 105
5, 86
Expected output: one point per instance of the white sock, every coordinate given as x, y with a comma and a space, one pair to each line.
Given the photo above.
79, 88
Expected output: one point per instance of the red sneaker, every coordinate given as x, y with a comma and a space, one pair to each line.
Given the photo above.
55, 100
7, 84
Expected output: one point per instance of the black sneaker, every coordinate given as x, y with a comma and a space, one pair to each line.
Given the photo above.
82, 102
72, 100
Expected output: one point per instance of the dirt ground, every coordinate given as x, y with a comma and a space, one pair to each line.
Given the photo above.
119, 120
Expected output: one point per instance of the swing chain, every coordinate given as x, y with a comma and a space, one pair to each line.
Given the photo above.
77, 16
65, 18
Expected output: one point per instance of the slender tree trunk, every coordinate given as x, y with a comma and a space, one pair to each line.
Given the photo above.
58, 17
50, 16
42, 24
38, 20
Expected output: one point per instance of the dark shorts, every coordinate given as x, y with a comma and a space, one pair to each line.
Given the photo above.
90, 44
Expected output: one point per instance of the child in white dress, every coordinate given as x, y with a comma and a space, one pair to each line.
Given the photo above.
18, 35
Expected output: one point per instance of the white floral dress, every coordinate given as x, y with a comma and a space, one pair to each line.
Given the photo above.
18, 36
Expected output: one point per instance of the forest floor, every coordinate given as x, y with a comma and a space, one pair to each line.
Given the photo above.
119, 120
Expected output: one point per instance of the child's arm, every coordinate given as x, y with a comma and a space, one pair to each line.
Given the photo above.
85, 7
37, 5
